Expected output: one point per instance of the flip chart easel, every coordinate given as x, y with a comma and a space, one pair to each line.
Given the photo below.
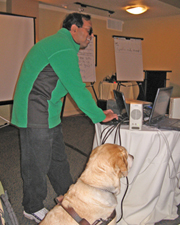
129, 63
128, 57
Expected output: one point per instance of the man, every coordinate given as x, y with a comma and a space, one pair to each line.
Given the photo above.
49, 72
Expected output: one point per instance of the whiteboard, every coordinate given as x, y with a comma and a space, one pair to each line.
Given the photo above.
16, 38
128, 56
87, 62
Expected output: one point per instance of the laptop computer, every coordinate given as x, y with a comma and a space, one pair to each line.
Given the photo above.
158, 116
122, 108
121, 104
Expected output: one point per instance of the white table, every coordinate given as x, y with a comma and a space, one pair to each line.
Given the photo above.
153, 192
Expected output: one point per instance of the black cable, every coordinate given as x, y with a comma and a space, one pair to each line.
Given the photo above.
118, 132
107, 134
110, 130
123, 200
118, 129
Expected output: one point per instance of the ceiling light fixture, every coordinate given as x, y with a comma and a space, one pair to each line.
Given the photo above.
136, 10
94, 7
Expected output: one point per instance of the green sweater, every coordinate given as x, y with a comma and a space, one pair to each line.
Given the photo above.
49, 72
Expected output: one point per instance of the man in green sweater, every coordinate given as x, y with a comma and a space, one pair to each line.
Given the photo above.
49, 72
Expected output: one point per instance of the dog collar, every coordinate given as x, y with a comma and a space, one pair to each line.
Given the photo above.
83, 221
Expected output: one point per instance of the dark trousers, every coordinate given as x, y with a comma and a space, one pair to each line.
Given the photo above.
42, 154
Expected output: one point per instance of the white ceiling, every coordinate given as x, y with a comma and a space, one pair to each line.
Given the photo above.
157, 8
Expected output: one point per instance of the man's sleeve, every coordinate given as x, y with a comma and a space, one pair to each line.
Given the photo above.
66, 66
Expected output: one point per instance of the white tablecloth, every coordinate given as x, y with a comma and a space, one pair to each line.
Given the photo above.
153, 192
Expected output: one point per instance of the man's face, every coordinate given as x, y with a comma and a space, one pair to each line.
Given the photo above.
82, 35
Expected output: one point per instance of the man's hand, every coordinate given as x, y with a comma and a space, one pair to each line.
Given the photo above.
110, 115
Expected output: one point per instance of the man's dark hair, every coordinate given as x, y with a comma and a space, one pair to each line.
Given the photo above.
75, 18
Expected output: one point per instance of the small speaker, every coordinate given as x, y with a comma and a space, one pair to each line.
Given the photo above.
174, 108
136, 116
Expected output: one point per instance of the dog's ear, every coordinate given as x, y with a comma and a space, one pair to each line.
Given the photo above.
119, 161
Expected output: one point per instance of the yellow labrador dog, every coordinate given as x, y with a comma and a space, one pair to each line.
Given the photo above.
93, 196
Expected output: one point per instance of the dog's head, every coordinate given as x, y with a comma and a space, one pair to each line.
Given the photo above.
106, 165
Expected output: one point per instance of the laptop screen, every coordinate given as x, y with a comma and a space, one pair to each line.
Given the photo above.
160, 104
121, 104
